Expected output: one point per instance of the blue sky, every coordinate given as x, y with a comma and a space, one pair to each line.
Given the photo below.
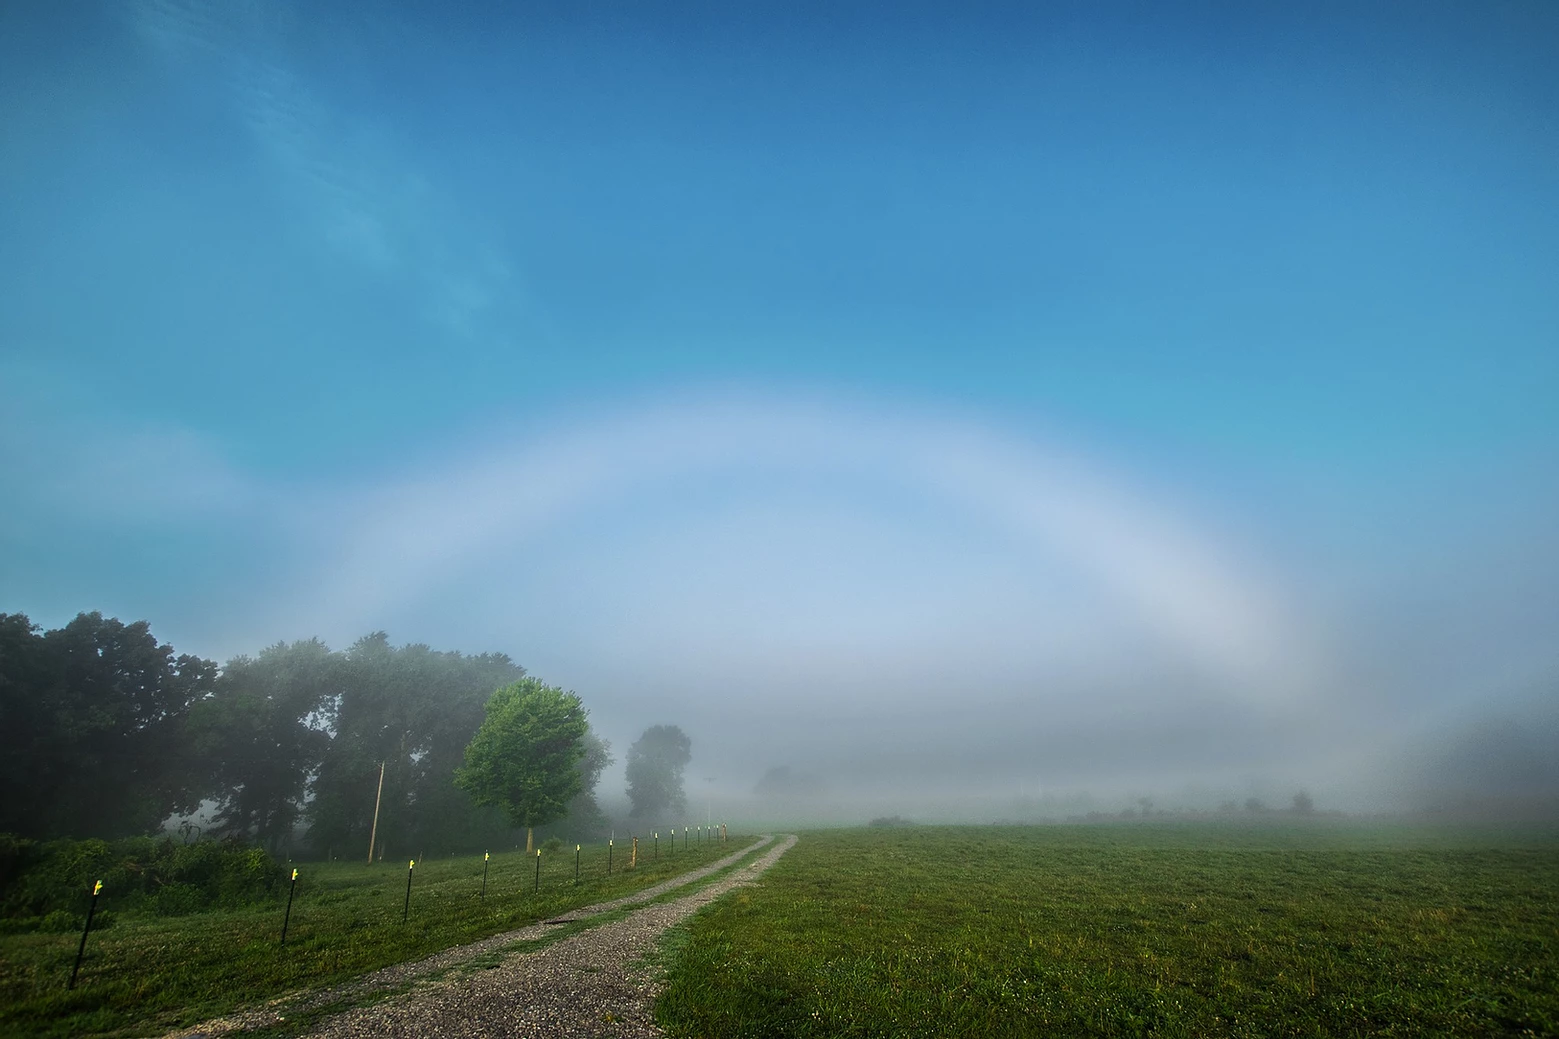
1288, 274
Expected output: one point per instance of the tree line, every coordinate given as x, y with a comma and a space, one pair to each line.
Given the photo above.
105, 732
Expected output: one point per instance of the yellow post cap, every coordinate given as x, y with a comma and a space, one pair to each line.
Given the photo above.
97, 887
538, 853
485, 856
577, 847
294, 873
412, 864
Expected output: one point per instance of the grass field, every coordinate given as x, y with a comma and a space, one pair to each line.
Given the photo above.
148, 974
1172, 930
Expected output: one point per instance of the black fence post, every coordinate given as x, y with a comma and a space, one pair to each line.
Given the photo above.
82, 948
406, 909
291, 888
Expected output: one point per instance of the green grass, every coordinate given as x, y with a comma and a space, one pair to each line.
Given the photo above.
1167, 930
146, 974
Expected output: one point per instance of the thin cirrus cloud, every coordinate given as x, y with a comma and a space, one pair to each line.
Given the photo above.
66, 459
345, 174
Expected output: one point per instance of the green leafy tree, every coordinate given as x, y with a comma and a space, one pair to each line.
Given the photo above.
525, 757
655, 764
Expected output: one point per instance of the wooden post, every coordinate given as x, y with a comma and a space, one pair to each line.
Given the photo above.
374, 833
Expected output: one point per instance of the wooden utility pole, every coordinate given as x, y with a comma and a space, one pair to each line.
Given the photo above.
374, 833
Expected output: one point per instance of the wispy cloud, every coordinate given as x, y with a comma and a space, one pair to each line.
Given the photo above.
366, 197
64, 458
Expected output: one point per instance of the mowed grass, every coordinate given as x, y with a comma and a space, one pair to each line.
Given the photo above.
1126, 930
145, 974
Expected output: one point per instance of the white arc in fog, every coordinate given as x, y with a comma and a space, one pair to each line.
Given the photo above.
425, 528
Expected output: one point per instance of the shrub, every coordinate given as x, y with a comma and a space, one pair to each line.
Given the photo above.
552, 845
179, 899
60, 921
157, 874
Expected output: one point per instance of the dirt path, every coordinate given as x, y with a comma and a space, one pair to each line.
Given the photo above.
588, 984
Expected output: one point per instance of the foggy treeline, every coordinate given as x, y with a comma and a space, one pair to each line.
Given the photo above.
107, 733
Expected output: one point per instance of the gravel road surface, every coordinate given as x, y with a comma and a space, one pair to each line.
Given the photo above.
591, 984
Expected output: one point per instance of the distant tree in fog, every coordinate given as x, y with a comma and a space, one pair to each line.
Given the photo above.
780, 781
1302, 803
1253, 804
583, 811
655, 764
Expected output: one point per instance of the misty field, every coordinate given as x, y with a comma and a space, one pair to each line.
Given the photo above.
1194, 930
146, 974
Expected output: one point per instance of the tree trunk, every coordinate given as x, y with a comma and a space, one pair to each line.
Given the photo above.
530, 848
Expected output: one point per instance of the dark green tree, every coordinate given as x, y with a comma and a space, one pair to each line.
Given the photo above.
414, 709
30, 741
655, 764
455, 689
94, 717
262, 736
525, 757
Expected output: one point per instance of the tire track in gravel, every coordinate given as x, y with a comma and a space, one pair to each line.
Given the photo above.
587, 984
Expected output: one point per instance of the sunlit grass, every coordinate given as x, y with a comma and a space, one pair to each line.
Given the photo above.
1195, 930
147, 974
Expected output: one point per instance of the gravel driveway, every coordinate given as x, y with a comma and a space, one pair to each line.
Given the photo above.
589, 984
